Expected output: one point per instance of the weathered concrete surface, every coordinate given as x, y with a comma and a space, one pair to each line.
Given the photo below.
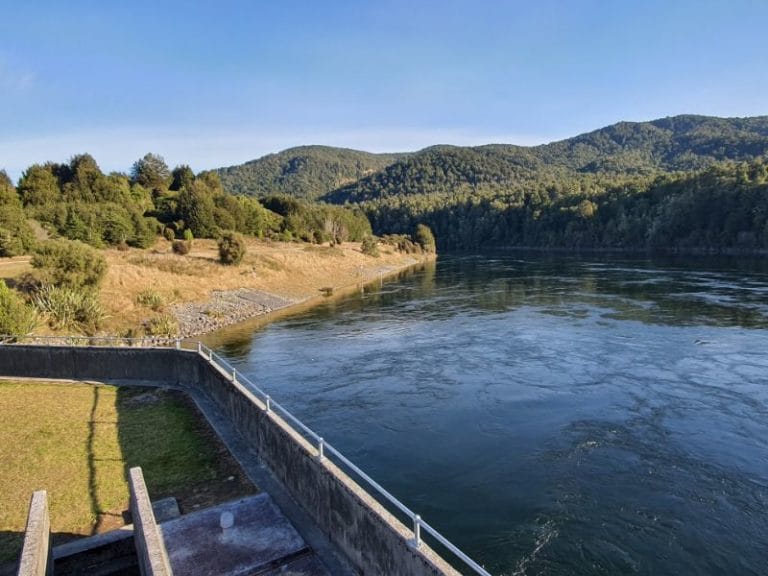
153, 559
302, 566
259, 539
373, 540
36, 554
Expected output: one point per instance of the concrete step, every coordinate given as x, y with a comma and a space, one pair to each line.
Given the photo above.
259, 541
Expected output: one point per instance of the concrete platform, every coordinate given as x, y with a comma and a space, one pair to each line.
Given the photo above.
261, 541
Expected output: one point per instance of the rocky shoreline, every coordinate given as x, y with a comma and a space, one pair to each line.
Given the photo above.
226, 307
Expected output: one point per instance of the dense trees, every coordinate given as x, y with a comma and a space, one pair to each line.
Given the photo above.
78, 201
681, 183
724, 207
16, 236
305, 172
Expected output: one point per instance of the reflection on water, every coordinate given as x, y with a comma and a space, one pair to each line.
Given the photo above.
550, 415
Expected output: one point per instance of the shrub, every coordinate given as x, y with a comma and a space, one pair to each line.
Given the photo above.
188, 236
401, 243
169, 234
181, 247
231, 248
70, 264
151, 299
17, 318
425, 238
10, 244
164, 325
370, 246
69, 307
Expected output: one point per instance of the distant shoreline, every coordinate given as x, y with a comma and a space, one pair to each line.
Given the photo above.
756, 252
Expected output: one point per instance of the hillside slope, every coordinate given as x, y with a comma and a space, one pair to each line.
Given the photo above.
304, 172
680, 143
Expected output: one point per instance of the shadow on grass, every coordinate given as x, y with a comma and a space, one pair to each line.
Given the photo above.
119, 428
164, 433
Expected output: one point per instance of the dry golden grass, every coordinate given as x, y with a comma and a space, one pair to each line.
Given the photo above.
294, 271
13, 267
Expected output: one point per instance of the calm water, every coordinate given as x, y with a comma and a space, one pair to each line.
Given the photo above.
549, 415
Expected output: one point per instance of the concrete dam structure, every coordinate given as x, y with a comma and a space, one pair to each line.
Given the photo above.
333, 525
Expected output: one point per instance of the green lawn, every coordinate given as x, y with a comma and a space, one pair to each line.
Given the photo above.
77, 441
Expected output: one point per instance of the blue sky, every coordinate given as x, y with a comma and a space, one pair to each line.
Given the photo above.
219, 83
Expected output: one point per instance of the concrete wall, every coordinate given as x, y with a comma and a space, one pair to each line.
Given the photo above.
36, 555
373, 540
150, 548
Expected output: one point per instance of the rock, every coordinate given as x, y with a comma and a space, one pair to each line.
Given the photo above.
224, 308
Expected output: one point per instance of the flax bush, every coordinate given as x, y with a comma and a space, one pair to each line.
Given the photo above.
165, 325
151, 299
69, 308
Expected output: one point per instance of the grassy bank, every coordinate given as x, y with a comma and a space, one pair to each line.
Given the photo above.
77, 441
146, 284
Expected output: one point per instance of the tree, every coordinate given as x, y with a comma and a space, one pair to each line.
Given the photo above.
151, 171
39, 186
16, 236
6, 184
181, 177
196, 208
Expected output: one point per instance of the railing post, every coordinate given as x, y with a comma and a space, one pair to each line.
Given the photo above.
210, 355
234, 375
199, 347
269, 404
320, 449
416, 531
178, 344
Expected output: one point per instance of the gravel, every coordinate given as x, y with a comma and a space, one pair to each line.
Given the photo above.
224, 308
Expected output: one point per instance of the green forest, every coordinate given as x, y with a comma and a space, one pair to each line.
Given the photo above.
686, 183
78, 201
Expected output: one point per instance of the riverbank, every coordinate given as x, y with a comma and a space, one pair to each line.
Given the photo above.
158, 292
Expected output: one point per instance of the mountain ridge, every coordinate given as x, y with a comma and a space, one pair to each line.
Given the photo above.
675, 143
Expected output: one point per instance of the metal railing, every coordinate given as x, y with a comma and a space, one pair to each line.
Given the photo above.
323, 448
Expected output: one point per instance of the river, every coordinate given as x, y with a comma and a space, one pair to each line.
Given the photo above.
549, 414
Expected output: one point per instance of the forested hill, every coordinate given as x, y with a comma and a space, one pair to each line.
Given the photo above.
692, 183
305, 172
680, 143
675, 143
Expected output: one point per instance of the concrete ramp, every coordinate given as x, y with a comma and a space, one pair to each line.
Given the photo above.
256, 540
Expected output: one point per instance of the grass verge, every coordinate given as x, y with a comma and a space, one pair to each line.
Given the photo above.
77, 441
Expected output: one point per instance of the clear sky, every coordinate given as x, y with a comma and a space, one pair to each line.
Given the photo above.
218, 83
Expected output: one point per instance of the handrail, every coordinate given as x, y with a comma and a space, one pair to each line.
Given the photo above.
322, 446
